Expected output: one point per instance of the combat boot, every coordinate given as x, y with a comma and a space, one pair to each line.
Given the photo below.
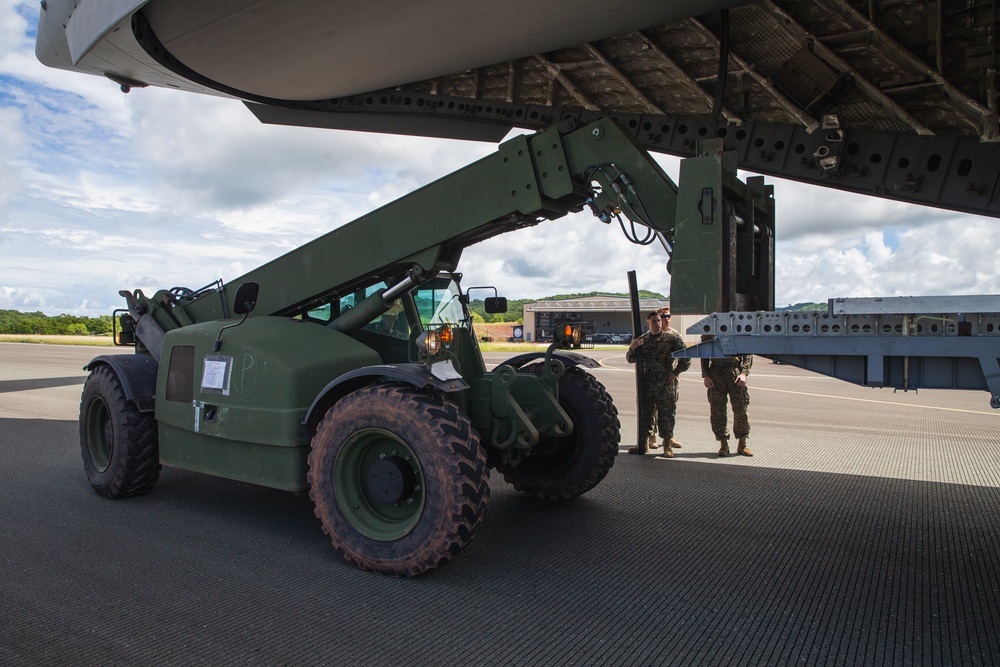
723, 447
742, 448
651, 442
668, 453
674, 444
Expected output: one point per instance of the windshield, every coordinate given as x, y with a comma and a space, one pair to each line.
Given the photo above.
438, 302
390, 322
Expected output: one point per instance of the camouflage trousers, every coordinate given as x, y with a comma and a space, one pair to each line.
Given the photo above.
660, 399
724, 388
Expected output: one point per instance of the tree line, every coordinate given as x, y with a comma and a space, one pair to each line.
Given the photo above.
515, 307
16, 322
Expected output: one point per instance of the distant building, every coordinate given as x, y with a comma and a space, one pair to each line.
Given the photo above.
610, 315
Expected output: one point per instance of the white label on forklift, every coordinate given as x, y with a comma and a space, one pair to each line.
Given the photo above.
444, 370
215, 377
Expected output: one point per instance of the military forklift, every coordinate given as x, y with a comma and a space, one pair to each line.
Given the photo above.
349, 368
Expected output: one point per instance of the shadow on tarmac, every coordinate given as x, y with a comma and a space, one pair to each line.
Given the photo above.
686, 564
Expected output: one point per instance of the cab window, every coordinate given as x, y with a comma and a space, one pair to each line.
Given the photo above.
439, 302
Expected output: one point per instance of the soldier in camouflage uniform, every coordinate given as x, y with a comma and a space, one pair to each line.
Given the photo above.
726, 379
664, 313
659, 378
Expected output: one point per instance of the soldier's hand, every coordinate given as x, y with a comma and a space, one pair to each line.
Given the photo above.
636, 342
741, 380
708, 382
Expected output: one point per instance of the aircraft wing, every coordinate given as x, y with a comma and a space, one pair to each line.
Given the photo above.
893, 99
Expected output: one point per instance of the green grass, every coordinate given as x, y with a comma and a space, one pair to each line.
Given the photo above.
92, 341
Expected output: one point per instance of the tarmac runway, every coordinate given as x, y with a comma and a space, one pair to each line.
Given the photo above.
865, 531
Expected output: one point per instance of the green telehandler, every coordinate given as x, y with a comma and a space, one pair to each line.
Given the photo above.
348, 367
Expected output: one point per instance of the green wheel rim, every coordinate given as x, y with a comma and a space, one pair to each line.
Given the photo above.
372, 517
100, 433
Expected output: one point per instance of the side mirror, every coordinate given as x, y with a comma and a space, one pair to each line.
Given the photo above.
495, 304
122, 327
246, 298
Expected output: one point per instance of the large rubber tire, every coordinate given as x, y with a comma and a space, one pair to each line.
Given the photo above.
562, 468
119, 444
398, 478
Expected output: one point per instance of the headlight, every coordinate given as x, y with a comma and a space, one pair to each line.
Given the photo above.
429, 342
568, 334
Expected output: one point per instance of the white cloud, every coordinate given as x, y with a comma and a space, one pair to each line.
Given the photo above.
12, 143
211, 153
577, 253
13, 28
807, 209
18, 298
943, 258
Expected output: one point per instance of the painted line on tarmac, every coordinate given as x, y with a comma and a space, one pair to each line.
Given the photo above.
871, 400
612, 368
805, 393
631, 369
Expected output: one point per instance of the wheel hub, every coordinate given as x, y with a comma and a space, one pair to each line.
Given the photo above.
390, 480
379, 484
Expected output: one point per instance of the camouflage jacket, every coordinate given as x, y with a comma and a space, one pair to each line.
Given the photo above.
657, 351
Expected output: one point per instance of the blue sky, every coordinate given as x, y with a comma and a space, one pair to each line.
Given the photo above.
101, 191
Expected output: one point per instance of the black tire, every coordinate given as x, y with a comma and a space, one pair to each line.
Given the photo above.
119, 444
398, 478
566, 467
